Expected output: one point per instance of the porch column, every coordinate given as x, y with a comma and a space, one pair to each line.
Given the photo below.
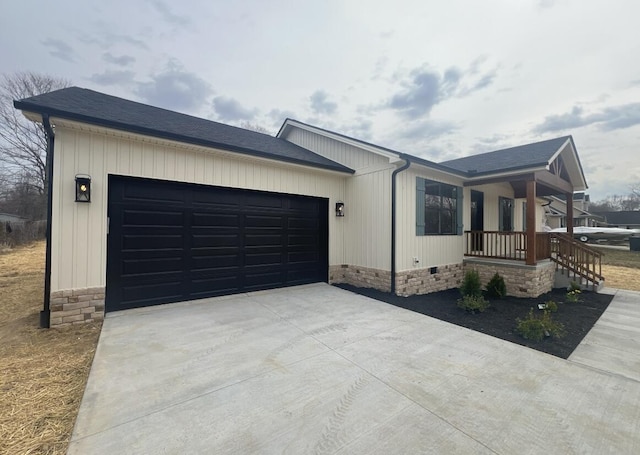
531, 222
569, 197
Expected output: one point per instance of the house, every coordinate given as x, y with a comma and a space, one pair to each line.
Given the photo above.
9, 218
150, 206
626, 219
556, 211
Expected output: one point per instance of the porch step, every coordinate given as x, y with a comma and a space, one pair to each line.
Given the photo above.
563, 279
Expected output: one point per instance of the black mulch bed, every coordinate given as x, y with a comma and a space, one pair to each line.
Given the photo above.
499, 320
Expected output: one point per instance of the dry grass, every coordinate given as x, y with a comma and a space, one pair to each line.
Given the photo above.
44, 372
621, 268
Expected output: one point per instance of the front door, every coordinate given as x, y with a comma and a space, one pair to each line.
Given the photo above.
477, 220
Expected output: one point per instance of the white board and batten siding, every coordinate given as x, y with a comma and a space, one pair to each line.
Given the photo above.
79, 230
431, 250
367, 198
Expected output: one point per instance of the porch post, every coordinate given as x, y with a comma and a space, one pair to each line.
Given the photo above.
569, 197
531, 222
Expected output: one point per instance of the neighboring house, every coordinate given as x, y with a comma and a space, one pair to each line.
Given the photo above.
185, 208
7, 217
556, 211
629, 219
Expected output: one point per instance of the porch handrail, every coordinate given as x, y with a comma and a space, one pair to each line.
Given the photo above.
576, 257
496, 244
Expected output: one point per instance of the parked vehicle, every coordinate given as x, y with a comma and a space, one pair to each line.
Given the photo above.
600, 234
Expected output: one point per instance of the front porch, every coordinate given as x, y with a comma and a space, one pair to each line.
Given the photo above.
509, 254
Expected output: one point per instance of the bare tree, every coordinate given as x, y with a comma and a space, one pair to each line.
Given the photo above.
23, 145
255, 127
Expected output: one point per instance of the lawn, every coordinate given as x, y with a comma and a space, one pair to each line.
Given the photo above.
44, 372
621, 268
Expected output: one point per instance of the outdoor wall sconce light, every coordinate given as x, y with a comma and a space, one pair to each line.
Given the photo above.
339, 208
83, 188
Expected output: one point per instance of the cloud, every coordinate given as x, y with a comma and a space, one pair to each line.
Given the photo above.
278, 116
175, 89
425, 88
419, 98
113, 77
360, 129
607, 119
105, 38
320, 103
428, 129
59, 49
168, 15
543, 4
123, 60
229, 109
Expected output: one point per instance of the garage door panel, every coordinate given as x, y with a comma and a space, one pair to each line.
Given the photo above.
215, 262
229, 240
153, 242
155, 192
265, 201
151, 266
215, 220
172, 241
151, 218
152, 294
302, 223
264, 221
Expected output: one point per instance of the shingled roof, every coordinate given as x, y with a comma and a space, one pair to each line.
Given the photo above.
88, 106
510, 159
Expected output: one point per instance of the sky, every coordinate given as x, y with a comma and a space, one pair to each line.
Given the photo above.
435, 79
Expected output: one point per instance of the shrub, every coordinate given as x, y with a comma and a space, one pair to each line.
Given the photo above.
471, 284
551, 306
574, 286
536, 328
473, 303
573, 296
496, 287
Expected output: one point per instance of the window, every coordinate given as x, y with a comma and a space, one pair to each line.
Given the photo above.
506, 214
438, 208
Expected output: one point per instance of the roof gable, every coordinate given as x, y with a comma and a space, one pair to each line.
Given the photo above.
392, 155
97, 108
538, 154
559, 153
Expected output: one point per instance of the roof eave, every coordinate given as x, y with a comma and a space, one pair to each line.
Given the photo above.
28, 108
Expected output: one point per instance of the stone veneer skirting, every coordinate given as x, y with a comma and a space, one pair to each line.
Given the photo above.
521, 280
76, 306
408, 282
362, 277
425, 281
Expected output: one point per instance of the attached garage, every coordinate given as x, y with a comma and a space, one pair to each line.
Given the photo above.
176, 207
171, 241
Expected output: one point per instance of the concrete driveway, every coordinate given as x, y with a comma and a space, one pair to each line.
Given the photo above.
316, 369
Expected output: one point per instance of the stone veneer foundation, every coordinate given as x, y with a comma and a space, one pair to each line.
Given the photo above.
408, 282
76, 306
521, 280
425, 281
363, 277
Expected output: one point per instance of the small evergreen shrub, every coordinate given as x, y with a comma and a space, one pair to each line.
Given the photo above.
574, 286
551, 306
573, 296
496, 287
536, 328
471, 285
473, 304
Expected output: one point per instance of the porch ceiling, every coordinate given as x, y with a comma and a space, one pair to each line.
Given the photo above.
547, 183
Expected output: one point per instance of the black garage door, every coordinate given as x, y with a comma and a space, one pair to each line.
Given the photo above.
171, 242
